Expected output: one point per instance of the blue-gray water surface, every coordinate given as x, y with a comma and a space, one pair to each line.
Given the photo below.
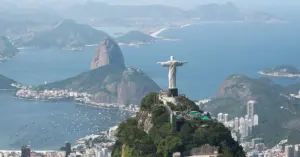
213, 52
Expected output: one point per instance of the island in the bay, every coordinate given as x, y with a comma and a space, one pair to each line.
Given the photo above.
288, 71
108, 82
7, 50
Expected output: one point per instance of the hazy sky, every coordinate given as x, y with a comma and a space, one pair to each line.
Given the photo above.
191, 3
182, 3
272, 6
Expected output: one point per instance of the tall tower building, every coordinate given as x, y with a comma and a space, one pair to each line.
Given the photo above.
220, 117
250, 110
68, 148
236, 124
255, 120
25, 151
242, 127
289, 151
246, 127
225, 118
249, 126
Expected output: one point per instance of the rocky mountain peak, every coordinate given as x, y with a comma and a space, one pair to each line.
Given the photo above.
108, 52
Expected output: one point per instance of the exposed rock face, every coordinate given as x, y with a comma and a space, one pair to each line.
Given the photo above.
7, 50
108, 52
145, 121
110, 81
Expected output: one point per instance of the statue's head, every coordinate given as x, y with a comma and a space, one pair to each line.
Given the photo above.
171, 58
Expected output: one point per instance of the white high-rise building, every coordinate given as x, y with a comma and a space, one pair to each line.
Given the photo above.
246, 127
250, 110
255, 120
236, 124
289, 151
220, 117
225, 118
242, 127
249, 127
297, 150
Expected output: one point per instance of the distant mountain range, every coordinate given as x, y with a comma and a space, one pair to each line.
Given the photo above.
66, 34
209, 12
89, 10
109, 80
278, 111
7, 50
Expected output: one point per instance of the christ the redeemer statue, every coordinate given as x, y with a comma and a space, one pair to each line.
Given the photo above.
172, 64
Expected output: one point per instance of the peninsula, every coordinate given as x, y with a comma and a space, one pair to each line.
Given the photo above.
5, 83
108, 82
135, 38
281, 71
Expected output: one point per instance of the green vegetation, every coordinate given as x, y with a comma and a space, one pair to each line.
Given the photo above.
162, 141
135, 36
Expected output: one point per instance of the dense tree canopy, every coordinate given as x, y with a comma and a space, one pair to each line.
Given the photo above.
162, 141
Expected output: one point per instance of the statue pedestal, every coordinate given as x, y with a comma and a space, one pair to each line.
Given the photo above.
172, 92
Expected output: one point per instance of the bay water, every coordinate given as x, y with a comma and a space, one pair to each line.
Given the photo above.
213, 51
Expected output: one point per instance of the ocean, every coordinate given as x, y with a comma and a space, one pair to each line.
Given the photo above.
213, 51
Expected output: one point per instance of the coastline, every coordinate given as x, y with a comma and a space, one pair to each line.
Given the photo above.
156, 33
279, 75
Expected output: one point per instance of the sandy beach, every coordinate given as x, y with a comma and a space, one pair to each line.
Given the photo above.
155, 34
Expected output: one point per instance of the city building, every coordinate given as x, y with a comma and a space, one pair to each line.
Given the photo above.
242, 127
255, 120
68, 148
204, 151
236, 124
259, 147
256, 141
25, 151
289, 151
225, 118
250, 110
297, 150
220, 117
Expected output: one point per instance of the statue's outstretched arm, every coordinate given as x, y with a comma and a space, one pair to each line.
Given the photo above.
179, 63
165, 64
